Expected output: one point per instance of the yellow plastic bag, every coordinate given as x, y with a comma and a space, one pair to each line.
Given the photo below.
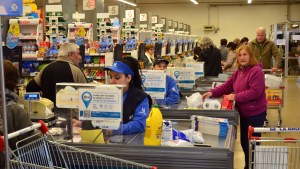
92, 136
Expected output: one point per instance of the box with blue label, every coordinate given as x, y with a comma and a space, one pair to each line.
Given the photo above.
210, 125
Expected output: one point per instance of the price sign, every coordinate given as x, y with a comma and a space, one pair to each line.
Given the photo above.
198, 67
154, 19
103, 103
184, 77
154, 82
143, 17
129, 14
113, 10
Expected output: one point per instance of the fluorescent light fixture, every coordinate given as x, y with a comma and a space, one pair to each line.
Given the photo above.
294, 25
129, 3
249, 1
195, 2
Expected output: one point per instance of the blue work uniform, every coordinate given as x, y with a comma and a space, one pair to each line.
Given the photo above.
172, 93
137, 124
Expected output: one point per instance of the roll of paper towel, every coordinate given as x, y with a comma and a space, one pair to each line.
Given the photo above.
211, 104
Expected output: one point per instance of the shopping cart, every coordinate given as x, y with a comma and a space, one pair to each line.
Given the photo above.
275, 93
39, 152
274, 152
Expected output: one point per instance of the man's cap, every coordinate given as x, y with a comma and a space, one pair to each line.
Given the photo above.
157, 60
120, 67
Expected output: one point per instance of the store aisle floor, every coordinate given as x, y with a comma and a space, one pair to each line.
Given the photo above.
290, 117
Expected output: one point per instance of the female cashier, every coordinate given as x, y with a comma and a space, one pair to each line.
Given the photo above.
136, 103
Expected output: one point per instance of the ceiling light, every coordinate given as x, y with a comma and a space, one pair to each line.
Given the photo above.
249, 1
195, 2
129, 3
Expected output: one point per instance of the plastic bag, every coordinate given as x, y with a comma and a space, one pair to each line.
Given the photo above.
194, 136
177, 143
227, 104
194, 101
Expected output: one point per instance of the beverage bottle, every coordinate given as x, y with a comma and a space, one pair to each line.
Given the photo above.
153, 127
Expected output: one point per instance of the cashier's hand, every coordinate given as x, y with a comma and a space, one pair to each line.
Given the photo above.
76, 123
153, 102
206, 95
230, 96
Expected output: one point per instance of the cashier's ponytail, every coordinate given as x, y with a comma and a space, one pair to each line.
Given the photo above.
134, 65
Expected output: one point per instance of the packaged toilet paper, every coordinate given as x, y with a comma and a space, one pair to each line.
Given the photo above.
211, 104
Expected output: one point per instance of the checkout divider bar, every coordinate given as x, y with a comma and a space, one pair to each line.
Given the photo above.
231, 115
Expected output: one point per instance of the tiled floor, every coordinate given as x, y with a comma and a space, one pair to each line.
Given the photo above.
290, 116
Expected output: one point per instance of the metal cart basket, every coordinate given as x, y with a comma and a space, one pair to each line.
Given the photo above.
272, 152
43, 153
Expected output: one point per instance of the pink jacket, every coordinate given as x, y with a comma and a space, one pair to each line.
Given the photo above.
248, 85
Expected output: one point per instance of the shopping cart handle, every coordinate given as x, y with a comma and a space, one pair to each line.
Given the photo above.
41, 125
250, 132
1, 143
44, 129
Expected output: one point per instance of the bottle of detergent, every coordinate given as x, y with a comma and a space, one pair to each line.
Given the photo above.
153, 127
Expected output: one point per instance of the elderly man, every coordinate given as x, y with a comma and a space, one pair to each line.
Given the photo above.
64, 69
264, 49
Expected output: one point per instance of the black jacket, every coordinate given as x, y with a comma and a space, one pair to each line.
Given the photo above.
212, 61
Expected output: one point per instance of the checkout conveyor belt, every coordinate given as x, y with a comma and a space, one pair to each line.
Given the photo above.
219, 155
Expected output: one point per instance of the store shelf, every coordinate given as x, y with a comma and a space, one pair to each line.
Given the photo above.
27, 37
39, 59
96, 78
94, 65
33, 74
95, 54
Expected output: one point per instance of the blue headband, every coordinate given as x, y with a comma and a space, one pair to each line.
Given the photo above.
120, 67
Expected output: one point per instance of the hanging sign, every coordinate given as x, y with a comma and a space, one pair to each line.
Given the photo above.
113, 10
154, 19
80, 35
143, 17
154, 82
104, 104
88, 5
11, 7
12, 38
129, 14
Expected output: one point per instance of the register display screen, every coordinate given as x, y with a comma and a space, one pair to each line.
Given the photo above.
31, 96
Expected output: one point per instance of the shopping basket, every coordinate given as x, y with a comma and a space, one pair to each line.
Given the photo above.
275, 95
274, 152
41, 152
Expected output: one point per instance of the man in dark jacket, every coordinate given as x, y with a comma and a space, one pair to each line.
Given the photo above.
64, 69
264, 50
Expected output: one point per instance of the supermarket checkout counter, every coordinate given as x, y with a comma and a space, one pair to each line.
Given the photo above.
179, 111
216, 152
